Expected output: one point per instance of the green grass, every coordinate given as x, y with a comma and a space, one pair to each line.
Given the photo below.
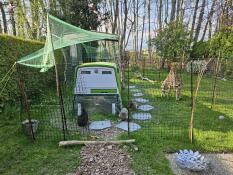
19, 155
166, 132
168, 129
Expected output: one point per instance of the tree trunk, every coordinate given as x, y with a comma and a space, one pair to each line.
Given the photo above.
178, 10
160, 14
166, 11
116, 14
122, 51
200, 21
173, 11
3, 18
0, 28
208, 19
129, 33
143, 26
20, 20
194, 18
12, 19
136, 43
149, 36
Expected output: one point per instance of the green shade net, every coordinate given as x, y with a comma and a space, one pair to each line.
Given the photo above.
60, 34
102, 52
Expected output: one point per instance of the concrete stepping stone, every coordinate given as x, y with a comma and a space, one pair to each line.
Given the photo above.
141, 100
132, 126
141, 116
98, 125
132, 87
135, 90
138, 94
145, 107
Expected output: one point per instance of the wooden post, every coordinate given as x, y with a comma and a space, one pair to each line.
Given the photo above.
82, 142
24, 101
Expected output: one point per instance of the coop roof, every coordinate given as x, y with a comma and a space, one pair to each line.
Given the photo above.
99, 64
103, 64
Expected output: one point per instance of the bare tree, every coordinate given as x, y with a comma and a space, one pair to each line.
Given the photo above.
200, 19
143, 28
173, 10
209, 18
11, 10
3, 17
149, 32
116, 14
194, 17
160, 13
122, 51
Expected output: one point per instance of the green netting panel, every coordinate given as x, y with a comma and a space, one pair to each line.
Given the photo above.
61, 34
102, 52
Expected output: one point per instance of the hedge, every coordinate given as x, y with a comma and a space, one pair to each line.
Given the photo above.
11, 49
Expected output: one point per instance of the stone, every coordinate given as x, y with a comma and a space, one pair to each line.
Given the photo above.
145, 107
132, 87
138, 94
221, 117
132, 126
141, 100
141, 116
109, 147
99, 125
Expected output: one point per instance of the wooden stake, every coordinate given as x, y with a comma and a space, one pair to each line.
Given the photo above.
24, 99
82, 142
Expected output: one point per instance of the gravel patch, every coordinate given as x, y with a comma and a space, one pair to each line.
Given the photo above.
220, 164
104, 159
107, 134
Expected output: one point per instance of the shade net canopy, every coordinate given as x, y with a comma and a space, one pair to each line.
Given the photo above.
59, 35
102, 51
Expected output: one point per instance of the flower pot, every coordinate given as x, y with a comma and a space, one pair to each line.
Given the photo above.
26, 126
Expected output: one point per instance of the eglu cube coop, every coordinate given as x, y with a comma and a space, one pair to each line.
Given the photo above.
97, 88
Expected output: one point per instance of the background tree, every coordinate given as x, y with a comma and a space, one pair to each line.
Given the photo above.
3, 17
172, 43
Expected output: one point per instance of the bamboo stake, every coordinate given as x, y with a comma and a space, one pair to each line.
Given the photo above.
194, 101
85, 142
215, 82
59, 92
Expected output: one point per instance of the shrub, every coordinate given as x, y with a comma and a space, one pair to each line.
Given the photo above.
11, 49
198, 65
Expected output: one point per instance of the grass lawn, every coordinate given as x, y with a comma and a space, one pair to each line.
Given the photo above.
168, 129
166, 132
18, 155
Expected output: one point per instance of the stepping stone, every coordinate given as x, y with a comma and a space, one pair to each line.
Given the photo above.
98, 125
132, 126
138, 94
141, 100
132, 87
145, 107
135, 90
142, 116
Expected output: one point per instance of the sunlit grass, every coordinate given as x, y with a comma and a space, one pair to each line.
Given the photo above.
168, 129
